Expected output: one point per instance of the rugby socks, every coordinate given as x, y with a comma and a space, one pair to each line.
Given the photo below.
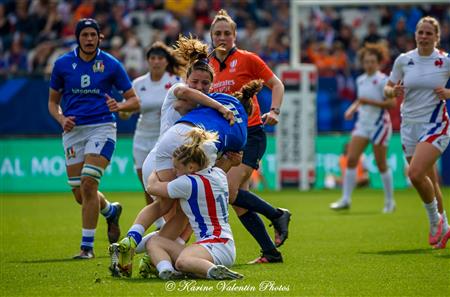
164, 265
349, 184
136, 232
432, 211
386, 177
252, 202
87, 239
159, 223
109, 210
255, 226
208, 274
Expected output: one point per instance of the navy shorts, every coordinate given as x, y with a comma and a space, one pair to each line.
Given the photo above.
255, 147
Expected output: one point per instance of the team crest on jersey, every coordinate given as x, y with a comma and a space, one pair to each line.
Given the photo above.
233, 65
70, 152
98, 66
168, 85
439, 63
375, 81
411, 62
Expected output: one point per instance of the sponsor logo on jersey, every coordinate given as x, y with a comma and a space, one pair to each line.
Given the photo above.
411, 62
142, 89
98, 66
375, 81
74, 65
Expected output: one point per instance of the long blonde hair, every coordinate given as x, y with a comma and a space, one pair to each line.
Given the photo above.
192, 151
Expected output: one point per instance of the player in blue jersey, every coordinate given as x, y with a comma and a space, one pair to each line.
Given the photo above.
79, 99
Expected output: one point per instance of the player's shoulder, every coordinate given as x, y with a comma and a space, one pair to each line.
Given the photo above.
361, 77
108, 57
141, 79
244, 54
443, 54
170, 77
381, 75
67, 57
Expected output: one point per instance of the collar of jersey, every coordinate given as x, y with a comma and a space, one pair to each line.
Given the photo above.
75, 51
222, 64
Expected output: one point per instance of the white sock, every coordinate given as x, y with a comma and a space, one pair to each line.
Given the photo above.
141, 246
432, 211
159, 223
208, 274
87, 239
388, 187
180, 241
444, 217
164, 265
349, 184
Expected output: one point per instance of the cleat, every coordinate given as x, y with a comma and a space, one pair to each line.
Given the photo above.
170, 274
389, 207
281, 226
126, 248
433, 237
443, 242
113, 224
340, 205
222, 272
267, 258
85, 254
114, 254
146, 268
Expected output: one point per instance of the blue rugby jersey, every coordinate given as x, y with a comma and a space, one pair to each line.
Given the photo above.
231, 138
83, 85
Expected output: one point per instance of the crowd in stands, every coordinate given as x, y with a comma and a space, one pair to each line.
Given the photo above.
33, 33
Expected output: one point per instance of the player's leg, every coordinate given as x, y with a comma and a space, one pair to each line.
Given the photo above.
433, 175
355, 149
380, 153
420, 165
163, 253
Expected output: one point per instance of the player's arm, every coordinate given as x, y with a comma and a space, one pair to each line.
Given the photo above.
442, 93
351, 110
156, 187
228, 160
394, 90
195, 96
389, 102
130, 104
274, 83
54, 99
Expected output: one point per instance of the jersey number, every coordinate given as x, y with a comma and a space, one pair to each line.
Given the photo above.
85, 81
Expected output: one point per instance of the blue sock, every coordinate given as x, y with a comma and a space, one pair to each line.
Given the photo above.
252, 202
109, 210
255, 226
87, 239
136, 232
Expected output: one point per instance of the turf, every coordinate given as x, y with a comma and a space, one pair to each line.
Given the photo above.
360, 252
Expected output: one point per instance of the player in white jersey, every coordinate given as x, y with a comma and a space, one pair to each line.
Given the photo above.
203, 195
373, 125
420, 76
165, 69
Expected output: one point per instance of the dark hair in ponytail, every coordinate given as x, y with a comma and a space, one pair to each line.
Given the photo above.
246, 93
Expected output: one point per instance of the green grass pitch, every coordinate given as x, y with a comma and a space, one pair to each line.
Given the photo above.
360, 252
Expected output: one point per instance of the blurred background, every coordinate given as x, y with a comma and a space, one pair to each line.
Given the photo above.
34, 33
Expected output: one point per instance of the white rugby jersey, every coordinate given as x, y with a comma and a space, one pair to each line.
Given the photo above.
371, 87
151, 95
421, 75
168, 114
204, 199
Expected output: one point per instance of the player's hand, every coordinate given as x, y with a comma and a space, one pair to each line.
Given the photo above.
270, 118
235, 158
113, 105
227, 114
350, 112
152, 180
68, 123
442, 93
399, 89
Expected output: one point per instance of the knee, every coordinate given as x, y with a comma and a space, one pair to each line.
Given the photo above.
181, 263
415, 175
382, 166
88, 186
77, 194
